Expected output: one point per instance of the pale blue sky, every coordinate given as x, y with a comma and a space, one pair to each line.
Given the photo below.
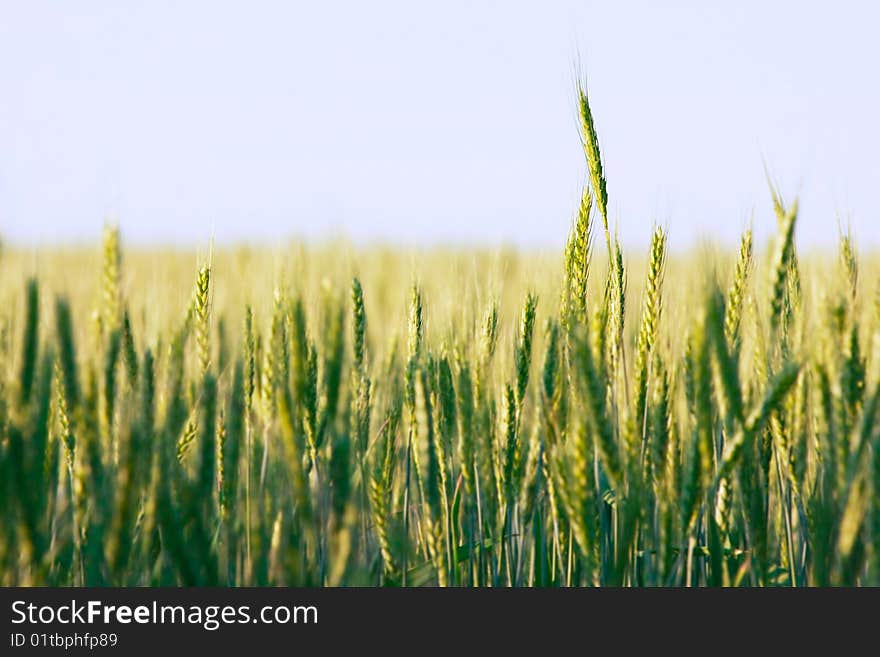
453, 121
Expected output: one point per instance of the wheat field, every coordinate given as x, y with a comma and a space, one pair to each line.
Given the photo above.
334, 415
